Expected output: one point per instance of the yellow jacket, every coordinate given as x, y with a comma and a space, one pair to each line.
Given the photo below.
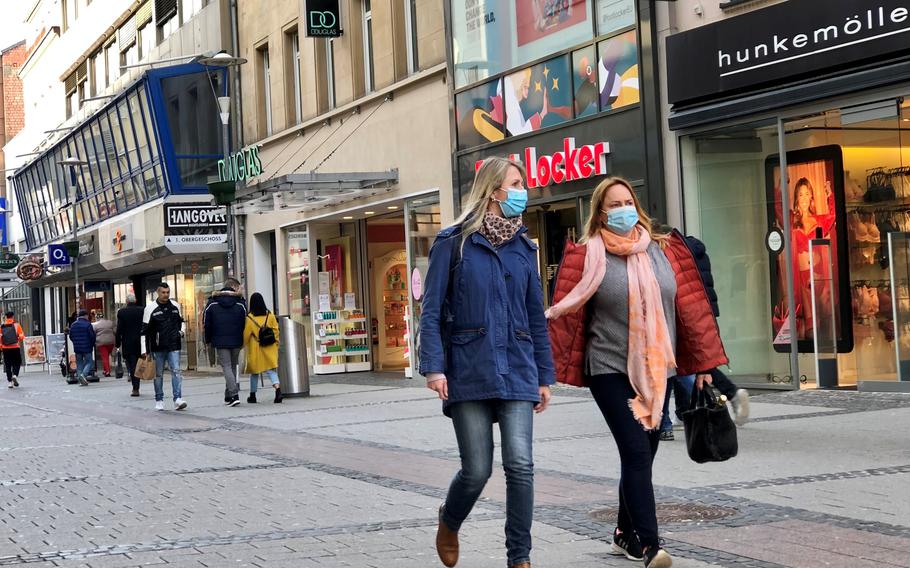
260, 359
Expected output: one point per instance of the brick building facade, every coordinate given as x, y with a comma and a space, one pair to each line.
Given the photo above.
12, 113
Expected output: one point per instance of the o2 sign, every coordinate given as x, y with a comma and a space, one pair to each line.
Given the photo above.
323, 18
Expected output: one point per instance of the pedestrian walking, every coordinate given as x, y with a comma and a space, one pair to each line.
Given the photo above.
485, 351
680, 388
630, 312
11, 337
82, 334
128, 337
105, 339
163, 329
260, 338
224, 321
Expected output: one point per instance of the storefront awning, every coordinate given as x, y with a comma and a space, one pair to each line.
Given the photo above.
312, 190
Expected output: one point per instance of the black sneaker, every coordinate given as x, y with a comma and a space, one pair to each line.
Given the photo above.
251, 399
15, 381
657, 558
626, 544
667, 436
235, 401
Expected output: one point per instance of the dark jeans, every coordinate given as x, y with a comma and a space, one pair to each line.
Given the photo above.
723, 383
682, 391
473, 423
12, 362
130, 359
637, 448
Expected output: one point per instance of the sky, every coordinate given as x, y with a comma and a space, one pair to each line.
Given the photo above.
12, 29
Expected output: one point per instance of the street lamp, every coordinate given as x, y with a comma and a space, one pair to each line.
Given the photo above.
224, 60
74, 163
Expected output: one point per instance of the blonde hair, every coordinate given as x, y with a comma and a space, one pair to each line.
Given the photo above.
595, 216
489, 178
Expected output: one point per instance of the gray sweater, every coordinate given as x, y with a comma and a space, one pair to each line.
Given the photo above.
608, 329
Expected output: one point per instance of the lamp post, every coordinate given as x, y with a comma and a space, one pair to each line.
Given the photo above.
225, 60
73, 163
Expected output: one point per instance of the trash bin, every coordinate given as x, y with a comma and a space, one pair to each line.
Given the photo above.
293, 372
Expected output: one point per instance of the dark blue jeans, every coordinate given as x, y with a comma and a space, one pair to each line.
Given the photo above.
637, 448
681, 387
473, 423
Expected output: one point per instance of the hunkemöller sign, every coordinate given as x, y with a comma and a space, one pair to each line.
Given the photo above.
788, 41
571, 164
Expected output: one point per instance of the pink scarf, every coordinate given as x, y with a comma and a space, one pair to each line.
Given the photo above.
651, 357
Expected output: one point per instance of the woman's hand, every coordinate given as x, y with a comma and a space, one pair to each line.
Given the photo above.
545, 396
702, 380
437, 383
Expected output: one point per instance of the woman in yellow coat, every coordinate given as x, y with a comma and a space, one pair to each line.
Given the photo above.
260, 337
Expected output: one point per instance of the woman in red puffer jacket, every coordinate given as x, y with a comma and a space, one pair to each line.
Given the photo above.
631, 311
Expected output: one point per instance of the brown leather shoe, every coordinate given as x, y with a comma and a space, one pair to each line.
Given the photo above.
446, 543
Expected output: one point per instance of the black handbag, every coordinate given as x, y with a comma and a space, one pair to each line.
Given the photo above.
118, 370
710, 432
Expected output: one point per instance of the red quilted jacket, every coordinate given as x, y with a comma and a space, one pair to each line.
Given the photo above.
698, 344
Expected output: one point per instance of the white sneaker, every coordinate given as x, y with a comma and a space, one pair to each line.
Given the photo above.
179, 404
159, 405
741, 407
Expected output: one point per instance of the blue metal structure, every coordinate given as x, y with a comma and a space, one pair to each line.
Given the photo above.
153, 139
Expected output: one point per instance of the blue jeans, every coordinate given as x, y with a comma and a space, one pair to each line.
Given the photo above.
85, 364
172, 358
682, 392
271, 374
473, 423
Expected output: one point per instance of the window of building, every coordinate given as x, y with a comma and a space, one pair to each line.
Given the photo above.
70, 12
265, 91
111, 64
292, 58
130, 55
165, 18
410, 28
97, 71
146, 41
368, 78
190, 8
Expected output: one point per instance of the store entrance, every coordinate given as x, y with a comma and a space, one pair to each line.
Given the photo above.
549, 226
388, 282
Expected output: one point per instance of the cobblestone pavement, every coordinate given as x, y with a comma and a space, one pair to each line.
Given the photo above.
352, 476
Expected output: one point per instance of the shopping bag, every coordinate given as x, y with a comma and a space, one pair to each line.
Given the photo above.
145, 368
710, 431
118, 370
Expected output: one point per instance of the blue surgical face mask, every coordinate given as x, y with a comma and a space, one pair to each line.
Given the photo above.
622, 220
514, 205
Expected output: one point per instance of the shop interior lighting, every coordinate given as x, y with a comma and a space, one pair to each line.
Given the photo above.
369, 212
347, 217
392, 207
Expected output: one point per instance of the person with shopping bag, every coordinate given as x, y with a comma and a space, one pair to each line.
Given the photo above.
631, 311
128, 338
260, 338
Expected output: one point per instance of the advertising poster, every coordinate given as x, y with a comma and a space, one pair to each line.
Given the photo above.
538, 97
537, 19
619, 81
479, 115
584, 66
35, 353
334, 265
491, 36
817, 211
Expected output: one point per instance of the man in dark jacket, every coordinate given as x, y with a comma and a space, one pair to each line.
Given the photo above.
224, 320
163, 331
82, 334
128, 337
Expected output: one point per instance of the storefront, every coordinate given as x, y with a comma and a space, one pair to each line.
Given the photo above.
571, 98
131, 179
794, 134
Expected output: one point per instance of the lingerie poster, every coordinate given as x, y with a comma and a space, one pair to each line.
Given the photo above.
815, 181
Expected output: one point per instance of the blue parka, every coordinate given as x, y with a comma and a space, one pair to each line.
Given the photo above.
482, 320
82, 334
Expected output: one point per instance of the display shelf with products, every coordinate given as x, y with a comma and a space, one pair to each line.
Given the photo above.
393, 286
341, 342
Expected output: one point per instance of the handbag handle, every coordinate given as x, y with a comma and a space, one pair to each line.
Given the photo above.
703, 398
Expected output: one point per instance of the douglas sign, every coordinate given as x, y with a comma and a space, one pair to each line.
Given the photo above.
560, 167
